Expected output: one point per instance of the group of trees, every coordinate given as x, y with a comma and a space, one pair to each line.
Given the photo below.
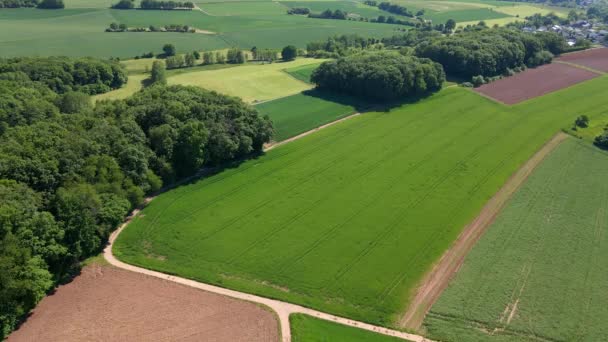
380, 75
264, 55
490, 52
115, 27
62, 74
328, 14
124, 4
71, 171
165, 5
340, 45
395, 9
299, 11
42, 4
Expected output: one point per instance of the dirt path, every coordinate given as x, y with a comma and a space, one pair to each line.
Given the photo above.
439, 277
301, 135
282, 309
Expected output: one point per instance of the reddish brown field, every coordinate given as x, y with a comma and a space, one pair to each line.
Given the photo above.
110, 304
595, 58
535, 82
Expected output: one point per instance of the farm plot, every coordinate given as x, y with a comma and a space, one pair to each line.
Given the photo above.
109, 304
349, 219
252, 83
299, 113
540, 273
535, 82
595, 58
302, 73
305, 328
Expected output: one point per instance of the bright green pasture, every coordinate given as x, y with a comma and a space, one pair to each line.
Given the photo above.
90, 3
305, 328
302, 73
299, 113
349, 219
134, 84
252, 83
597, 124
540, 272
476, 14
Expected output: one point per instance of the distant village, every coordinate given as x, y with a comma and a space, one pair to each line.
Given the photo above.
594, 32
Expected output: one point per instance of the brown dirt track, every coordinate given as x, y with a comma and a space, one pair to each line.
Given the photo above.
594, 58
437, 280
535, 82
106, 303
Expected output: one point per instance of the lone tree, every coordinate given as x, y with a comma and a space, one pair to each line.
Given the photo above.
289, 53
158, 73
450, 25
582, 121
169, 50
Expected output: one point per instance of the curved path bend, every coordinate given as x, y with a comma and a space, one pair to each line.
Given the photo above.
282, 309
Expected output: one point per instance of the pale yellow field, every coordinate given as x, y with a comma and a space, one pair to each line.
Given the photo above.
252, 83
133, 85
529, 10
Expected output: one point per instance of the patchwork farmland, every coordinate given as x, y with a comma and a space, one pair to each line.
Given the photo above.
312, 235
539, 272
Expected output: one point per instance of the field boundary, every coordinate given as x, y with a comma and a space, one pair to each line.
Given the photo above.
437, 280
282, 309
580, 66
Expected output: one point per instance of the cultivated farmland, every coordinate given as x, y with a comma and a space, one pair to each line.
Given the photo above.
535, 82
349, 219
299, 113
252, 83
596, 59
540, 272
305, 328
302, 73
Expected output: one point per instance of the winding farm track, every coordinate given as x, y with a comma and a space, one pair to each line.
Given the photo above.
282, 309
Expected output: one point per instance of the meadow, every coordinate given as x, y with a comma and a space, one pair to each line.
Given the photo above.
299, 113
349, 219
305, 328
540, 271
302, 73
253, 83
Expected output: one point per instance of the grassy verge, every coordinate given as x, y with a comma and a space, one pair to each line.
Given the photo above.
305, 328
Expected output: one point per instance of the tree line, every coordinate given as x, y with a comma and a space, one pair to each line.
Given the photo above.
71, 171
44, 4
115, 27
380, 75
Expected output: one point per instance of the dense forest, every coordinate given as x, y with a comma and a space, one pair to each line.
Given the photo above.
71, 171
383, 75
43, 4
490, 52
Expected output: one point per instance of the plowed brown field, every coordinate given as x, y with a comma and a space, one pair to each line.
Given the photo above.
105, 303
535, 82
595, 58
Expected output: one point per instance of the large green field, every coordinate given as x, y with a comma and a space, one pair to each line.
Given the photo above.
302, 73
299, 113
540, 272
349, 219
80, 31
309, 329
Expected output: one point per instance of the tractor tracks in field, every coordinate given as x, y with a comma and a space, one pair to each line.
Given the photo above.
440, 275
282, 309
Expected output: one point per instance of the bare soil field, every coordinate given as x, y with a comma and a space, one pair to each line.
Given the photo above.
105, 303
594, 58
535, 82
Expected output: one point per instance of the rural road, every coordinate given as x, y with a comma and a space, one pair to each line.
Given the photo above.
282, 309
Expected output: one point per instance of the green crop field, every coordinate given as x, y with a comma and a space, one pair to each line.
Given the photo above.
252, 83
302, 73
349, 219
465, 15
540, 272
305, 328
351, 7
299, 113
80, 31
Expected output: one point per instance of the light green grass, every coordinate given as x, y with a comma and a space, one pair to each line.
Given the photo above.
349, 219
303, 73
244, 9
597, 124
299, 113
305, 328
134, 84
477, 14
543, 263
252, 83
91, 3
